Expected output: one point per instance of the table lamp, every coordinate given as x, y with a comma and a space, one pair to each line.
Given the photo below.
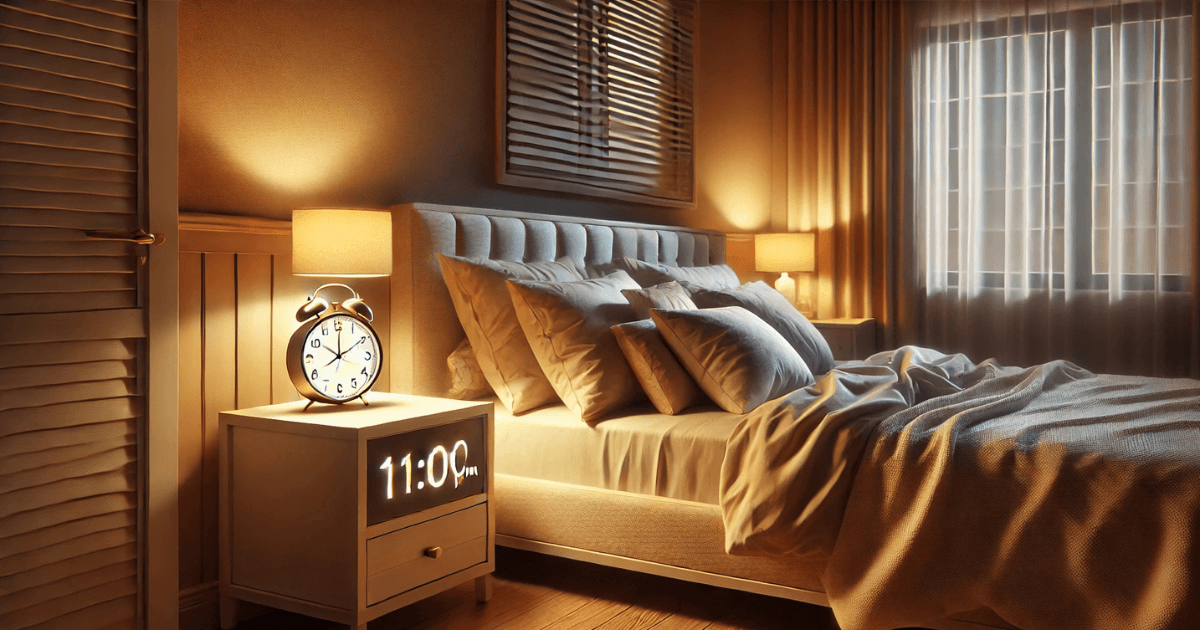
335, 356
790, 251
341, 243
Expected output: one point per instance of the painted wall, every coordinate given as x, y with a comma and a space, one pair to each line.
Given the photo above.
376, 102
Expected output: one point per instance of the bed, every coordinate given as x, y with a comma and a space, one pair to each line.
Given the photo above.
911, 543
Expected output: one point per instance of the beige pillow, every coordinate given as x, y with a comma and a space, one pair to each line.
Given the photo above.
735, 357
568, 326
467, 381
662, 377
485, 311
763, 300
668, 295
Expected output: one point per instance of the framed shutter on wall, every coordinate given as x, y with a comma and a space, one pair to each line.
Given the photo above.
72, 322
596, 97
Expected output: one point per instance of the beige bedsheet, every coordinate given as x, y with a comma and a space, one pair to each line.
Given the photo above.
637, 450
1052, 497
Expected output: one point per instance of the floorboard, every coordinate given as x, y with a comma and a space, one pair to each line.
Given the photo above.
538, 592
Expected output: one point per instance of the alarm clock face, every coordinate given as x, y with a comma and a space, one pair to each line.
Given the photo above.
340, 357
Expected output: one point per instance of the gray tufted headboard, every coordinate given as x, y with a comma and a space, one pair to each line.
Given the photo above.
424, 326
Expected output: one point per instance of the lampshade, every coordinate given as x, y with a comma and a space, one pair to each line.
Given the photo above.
790, 251
344, 243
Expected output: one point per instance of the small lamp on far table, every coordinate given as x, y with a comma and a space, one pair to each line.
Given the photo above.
784, 252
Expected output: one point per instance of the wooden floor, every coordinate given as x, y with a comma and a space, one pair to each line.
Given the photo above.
537, 592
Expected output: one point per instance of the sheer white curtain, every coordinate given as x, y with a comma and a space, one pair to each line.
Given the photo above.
1053, 181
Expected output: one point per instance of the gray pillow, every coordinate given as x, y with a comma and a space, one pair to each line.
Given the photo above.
648, 274
735, 357
773, 308
668, 295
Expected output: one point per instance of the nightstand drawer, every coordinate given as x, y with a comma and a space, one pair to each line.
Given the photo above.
397, 562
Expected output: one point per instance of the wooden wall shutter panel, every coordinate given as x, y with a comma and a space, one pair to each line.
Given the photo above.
597, 97
72, 327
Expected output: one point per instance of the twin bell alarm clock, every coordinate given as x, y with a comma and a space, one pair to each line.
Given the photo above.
335, 355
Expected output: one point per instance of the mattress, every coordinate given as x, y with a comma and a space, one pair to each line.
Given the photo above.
636, 450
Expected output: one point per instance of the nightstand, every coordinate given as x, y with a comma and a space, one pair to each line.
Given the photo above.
348, 512
849, 338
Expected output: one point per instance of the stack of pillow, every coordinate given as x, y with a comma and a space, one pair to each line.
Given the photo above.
600, 337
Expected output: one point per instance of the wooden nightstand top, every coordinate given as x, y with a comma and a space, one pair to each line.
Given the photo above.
352, 417
842, 321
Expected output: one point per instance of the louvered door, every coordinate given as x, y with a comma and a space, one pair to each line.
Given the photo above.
72, 322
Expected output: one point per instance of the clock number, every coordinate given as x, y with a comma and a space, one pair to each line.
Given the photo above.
314, 374
429, 466
459, 473
364, 372
337, 325
324, 333
316, 343
339, 388
368, 357
407, 464
354, 382
391, 471
351, 328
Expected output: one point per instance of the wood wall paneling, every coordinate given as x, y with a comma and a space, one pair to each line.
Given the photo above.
254, 279
191, 424
288, 293
219, 330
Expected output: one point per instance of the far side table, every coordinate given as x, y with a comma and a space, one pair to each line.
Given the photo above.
849, 338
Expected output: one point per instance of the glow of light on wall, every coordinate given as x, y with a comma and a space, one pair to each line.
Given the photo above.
292, 134
745, 205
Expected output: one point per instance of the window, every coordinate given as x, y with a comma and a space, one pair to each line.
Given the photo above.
1053, 150
597, 97
1155, 191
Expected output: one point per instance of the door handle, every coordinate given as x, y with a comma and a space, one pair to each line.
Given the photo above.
141, 237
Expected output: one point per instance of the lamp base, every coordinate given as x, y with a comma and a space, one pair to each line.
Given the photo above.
786, 287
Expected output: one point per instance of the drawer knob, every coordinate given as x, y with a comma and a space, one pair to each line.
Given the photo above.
433, 552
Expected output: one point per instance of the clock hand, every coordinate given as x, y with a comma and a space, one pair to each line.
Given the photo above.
338, 358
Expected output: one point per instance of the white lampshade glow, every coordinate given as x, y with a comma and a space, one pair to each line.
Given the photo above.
790, 251
341, 243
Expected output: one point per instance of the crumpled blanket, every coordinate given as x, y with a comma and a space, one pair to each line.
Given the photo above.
934, 488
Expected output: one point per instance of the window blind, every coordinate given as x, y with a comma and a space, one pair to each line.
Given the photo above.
72, 333
597, 97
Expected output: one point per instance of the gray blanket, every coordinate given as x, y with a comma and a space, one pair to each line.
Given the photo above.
934, 488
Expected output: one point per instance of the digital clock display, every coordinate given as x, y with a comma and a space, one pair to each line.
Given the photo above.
414, 471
